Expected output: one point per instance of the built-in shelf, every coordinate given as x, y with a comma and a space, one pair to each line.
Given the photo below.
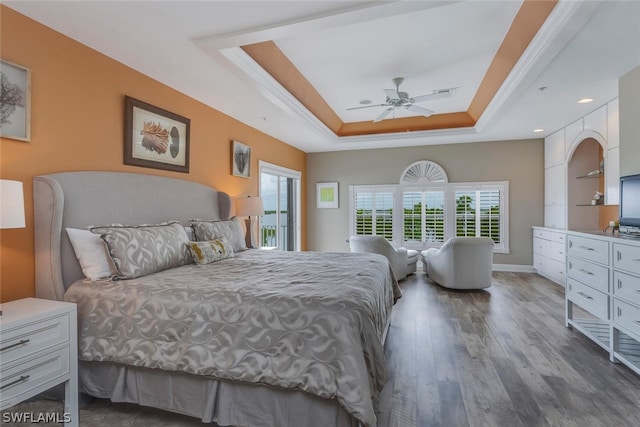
593, 175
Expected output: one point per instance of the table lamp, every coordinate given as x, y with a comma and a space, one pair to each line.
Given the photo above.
11, 206
249, 206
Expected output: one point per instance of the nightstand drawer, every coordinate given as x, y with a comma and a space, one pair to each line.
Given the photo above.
591, 249
587, 272
595, 302
26, 374
627, 316
17, 343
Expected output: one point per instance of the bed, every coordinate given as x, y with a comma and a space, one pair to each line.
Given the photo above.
262, 338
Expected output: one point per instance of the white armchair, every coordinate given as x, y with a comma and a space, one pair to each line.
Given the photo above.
403, 261
460, 263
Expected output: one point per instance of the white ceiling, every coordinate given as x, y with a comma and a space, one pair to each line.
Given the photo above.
350, 51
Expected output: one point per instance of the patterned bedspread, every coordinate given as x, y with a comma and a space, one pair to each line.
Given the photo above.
296, 320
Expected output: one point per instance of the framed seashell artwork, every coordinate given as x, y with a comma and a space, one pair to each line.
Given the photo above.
155, 138
240, 159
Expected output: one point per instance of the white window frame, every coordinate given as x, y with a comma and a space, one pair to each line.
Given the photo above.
450, 190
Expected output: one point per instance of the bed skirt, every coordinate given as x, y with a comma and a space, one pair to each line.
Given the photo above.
211, 400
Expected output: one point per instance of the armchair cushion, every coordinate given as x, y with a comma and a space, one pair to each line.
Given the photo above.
403, 261
460, 263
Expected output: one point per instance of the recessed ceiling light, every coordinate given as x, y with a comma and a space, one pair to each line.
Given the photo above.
365, 102
585, 100
538, 130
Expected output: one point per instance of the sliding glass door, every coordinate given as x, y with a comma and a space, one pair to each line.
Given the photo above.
280, 192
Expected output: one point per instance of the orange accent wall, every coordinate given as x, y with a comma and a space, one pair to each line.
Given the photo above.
77, 111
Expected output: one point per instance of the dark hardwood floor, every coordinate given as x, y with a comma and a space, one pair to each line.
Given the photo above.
498, 357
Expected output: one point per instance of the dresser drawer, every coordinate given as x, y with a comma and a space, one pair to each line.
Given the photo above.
554, 236
595, 302
540, 246
17, 343
556, 271
626, 257
626, 316
626, 286
556, 251
21, 377
591, 249
587, 272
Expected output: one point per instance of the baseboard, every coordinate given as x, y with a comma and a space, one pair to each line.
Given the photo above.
514, 267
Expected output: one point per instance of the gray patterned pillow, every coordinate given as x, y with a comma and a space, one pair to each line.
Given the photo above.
144, 249
230, 229
210, 251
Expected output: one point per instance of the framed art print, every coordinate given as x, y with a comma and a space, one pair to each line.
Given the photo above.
15, 108
240, 159
155, 138
327, 195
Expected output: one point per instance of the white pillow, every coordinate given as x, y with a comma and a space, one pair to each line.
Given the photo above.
92, 253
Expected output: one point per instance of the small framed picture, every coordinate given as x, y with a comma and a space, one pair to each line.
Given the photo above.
240, 159
327, 195
155, 138
15, 113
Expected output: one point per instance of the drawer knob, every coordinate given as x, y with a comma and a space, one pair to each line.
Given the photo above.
14, 345
584, 295
19, 380
586, 248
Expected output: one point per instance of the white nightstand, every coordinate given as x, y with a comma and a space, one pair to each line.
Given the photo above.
39, 350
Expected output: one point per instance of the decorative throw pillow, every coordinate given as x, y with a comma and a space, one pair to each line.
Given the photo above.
210, 251
92, 254
230, 229
144, 249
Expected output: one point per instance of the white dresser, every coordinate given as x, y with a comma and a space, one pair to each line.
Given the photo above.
549, 253
603, 278
38, 350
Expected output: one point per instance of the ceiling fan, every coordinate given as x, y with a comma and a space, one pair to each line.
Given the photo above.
397, 99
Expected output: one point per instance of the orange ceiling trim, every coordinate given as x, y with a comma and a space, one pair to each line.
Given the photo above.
408, 124
524, 27
274, 62
527, 23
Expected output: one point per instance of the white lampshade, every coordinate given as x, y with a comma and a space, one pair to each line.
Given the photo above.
249, 206
11, 204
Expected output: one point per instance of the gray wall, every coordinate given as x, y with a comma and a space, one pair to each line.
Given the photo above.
519, 162
629, 98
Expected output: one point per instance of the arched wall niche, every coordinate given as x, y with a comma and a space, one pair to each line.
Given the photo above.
585, 177
423, 172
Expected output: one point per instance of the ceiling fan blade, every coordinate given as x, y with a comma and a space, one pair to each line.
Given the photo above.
391, 93
437, 94
383, 115
420, 110
367, 106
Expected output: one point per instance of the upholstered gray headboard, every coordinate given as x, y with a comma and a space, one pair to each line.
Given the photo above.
81, 199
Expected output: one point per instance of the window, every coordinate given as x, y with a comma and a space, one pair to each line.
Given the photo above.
372, 211
422, 216
481, 211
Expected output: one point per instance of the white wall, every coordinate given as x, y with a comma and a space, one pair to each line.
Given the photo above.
519, 162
